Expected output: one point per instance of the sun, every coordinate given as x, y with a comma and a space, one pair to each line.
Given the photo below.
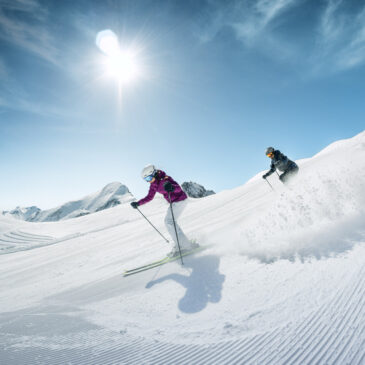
122, 64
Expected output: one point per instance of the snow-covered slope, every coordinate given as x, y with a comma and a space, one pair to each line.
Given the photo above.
111, 195
282, 281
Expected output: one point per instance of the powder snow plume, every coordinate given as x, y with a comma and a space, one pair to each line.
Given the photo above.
320, 213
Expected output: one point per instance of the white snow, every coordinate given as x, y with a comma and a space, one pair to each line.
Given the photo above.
282, 281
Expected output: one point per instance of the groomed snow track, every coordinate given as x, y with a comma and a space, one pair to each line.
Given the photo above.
334, 333
19, 240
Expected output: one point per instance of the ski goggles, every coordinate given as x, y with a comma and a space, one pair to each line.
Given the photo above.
270, 154
149, 178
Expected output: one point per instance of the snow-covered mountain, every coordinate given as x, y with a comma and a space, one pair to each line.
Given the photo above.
194, 190
111, 195
24, 213
280, 282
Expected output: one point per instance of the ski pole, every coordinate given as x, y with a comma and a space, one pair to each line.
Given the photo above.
154, 226
177, 237
270, 185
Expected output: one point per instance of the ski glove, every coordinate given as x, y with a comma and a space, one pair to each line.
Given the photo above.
169, 187
264, 176
134, 205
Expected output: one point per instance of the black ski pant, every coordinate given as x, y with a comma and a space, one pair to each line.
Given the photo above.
289, 172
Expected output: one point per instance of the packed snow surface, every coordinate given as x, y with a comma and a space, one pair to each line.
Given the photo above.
281, 280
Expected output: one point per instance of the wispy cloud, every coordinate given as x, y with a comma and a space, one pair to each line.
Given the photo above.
264, 13
17, 100
341, 39
331, 24
354, 53
23, 23
24, 26
14, 97
256, 24
248, 19
333, 43
256, 28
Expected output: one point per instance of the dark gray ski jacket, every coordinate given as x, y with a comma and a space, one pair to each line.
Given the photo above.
280, 162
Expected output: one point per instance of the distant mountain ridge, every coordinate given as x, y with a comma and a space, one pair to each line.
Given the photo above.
23, 213
111, 195
194, 190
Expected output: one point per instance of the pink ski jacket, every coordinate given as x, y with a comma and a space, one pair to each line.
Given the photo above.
158, 187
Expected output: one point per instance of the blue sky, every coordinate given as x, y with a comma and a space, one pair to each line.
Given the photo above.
220, 81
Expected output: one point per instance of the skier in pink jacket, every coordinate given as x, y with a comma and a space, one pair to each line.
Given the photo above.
170, 189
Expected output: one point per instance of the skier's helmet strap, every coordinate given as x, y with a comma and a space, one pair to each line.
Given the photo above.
148, 170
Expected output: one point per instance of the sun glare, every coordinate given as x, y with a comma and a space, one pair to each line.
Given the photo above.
120, 64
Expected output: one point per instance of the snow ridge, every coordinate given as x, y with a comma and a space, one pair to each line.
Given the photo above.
110, 196
24, 213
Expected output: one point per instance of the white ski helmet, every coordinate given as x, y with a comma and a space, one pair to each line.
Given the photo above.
148, 171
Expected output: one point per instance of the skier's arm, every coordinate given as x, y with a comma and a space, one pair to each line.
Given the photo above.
151, 194
272, 169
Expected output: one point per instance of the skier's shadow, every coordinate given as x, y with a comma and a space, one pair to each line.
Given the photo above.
203, 285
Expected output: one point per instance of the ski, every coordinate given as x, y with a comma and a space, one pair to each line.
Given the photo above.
146, 265
160, 262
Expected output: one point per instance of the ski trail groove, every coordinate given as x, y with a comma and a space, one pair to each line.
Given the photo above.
304, 332
339, 316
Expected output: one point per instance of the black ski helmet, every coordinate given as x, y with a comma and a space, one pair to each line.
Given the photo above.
269, 150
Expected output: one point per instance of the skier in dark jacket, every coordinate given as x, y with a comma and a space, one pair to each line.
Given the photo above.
173, 193
282, 163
